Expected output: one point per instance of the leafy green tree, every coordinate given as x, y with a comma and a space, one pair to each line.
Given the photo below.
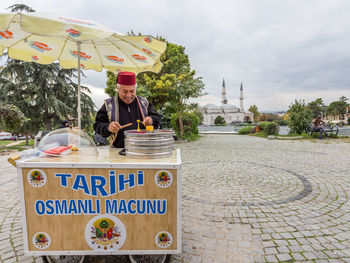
300, 117
171, 89
176, 83
254, 109
198, 113
219, 121
20, 7
272, 117
111, 84
316, 107
44, 93
263, 117
190, 121
11, 118
338, 107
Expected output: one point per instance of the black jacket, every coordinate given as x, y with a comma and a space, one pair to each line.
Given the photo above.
128, 113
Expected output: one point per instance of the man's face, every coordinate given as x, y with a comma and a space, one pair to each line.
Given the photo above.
127, 93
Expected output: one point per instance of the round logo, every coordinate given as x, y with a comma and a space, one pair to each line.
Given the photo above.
105, 232
164, 239
36, 178
148, 39
163, 178
41, 240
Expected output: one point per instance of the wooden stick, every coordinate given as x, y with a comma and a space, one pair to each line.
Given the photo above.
126, 125
121, 127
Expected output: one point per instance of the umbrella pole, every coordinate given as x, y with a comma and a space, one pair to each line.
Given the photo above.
79, 108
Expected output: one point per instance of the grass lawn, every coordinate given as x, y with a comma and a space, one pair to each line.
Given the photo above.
18, 147
30, 143
5, 142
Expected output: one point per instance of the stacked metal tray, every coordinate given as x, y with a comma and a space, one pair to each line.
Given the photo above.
149, 144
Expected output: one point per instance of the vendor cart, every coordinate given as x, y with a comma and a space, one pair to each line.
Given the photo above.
94, 201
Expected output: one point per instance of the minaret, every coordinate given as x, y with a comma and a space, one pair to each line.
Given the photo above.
224, 100
241, 99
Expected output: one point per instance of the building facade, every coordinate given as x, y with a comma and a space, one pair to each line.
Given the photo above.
230, 113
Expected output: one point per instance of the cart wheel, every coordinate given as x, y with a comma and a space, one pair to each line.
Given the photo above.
150, 258
63, 259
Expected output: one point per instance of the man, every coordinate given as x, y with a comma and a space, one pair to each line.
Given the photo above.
318, 127
123, 109
64, 124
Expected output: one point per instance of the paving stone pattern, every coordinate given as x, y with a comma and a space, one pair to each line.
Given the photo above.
244, 199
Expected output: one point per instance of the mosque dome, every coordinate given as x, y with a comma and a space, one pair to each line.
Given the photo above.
211, 107
229, 108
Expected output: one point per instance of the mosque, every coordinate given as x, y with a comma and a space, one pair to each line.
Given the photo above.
229, 112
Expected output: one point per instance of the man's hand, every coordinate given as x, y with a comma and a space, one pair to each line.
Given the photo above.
147, 121
114, 126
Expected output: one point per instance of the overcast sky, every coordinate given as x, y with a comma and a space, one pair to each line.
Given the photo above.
281, 50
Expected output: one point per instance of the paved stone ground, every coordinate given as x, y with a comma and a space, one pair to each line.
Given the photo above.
244, 199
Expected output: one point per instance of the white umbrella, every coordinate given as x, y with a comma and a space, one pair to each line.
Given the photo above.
45, 38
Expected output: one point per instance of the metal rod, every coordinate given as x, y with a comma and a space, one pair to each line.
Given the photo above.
79, 108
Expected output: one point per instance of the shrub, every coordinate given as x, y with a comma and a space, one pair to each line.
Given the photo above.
263, 124
219, 121
299, 117
245, 130
348, 121
190, 123
283, 123
271, 129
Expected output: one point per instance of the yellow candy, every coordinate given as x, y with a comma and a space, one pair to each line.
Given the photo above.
149, 128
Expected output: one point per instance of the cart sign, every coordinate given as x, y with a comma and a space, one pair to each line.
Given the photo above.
100, 210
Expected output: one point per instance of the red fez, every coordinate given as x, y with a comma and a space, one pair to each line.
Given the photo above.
126, 78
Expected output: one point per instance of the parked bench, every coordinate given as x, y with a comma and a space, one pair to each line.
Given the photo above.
328, 129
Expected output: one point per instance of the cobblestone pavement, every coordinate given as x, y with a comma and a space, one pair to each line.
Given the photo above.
244, 199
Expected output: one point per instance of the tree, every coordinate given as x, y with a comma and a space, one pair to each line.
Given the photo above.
20, 7
219, 121
338, 107
44, 93
11, 118
111, 84
273, 117
254, 109
316, 107
171, 89
299, 117
263, 117
198, 113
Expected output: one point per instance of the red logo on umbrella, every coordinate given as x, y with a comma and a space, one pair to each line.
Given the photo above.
35, 58
6, 34
73, 33
40, 46
83, 55
115, 59
148, 52
148, 39
71, 20
140, 58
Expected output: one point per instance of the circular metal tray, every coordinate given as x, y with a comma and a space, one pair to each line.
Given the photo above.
149, 144
148, 156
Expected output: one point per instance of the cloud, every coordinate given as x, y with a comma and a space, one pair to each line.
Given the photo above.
97, 95
278, 49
